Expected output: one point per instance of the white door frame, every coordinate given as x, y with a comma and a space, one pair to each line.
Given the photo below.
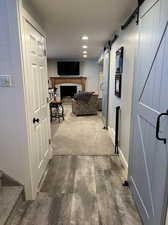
106, 119
23, 17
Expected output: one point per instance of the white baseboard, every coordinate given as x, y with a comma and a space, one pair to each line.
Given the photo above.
123, 159
121, 155
112, 134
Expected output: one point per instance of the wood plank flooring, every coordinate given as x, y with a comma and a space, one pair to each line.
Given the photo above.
81, 190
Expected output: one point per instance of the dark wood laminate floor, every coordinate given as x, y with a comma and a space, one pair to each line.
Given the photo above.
81, 190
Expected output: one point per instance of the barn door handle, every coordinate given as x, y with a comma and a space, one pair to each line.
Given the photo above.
36, 120
158, 127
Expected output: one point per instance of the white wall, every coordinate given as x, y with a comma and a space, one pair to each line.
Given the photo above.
13, 133
127, 39
52, 67
88, 68
30, 9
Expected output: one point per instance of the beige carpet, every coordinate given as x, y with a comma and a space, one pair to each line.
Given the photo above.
80, 135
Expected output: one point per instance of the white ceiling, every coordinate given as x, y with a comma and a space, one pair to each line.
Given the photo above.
65, 21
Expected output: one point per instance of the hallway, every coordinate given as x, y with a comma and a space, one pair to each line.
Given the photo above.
81, 190
103, 55
81, 135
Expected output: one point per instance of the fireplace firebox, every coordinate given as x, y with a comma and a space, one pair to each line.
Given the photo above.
68, 91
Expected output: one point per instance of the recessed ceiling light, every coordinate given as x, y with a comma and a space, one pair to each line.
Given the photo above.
84, 52
84, 56
84, 46
85, 38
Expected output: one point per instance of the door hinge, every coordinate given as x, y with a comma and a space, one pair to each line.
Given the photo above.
49, 141
45, 52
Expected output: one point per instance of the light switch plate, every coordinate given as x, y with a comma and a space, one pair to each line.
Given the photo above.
5, 81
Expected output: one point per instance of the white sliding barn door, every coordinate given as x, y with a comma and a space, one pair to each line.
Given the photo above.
148, 169
37, 93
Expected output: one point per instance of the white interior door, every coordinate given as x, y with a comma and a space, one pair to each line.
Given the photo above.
148, 173
37, 92
105, 87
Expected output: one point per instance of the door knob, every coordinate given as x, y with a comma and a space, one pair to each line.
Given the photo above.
36, 120
158, 127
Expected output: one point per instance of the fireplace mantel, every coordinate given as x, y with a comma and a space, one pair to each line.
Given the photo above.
69, 79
